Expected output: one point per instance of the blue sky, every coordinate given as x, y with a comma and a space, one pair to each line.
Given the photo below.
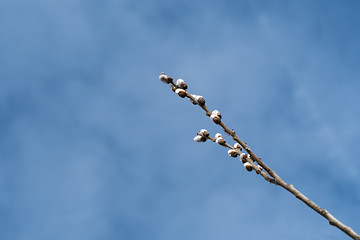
94, 146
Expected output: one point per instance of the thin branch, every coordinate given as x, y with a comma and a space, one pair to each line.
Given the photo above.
180, 88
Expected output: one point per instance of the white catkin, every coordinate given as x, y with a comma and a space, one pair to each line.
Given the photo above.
218, 135
179, 90
198, 97
179, 82
163, 78
215, 112
202, 131
230, 151
243, 155
197, 138
218, 139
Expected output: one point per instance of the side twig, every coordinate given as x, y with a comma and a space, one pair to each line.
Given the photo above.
249, 160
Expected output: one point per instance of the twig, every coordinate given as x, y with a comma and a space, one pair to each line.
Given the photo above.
268, 174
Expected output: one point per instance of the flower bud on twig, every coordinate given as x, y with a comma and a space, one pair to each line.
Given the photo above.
219, 139
232, 153
204, 133
217, 113
216, 119
180, 92
165, 79
248, 166
200, 100
199, 138
181, 84
237, 145
216, 116
243, 155
218, 135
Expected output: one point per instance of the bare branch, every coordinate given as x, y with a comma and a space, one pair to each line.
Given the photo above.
249, 160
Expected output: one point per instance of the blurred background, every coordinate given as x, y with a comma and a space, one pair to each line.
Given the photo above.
94, 146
